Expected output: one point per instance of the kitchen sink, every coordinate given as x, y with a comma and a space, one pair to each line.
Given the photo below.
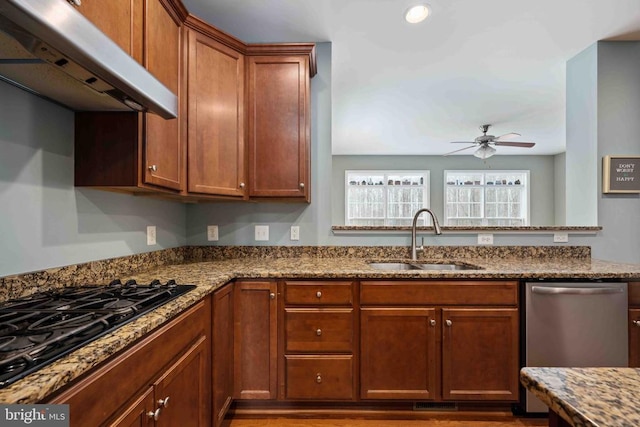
422, 266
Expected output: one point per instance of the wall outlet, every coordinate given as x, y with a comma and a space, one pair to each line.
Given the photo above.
262, 232
212, 233
295, 232
151, 235
560, 237
485, 239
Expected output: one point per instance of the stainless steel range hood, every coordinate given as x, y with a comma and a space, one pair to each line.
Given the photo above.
50, 49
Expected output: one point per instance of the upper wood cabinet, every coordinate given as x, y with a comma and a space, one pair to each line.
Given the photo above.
139, 151
279, 125
216, 154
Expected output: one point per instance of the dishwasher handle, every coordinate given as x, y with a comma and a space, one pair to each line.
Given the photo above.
548, 290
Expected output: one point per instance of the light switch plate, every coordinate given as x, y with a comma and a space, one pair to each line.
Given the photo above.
151, 235
262, 232
212, 233
560, 237
485, 239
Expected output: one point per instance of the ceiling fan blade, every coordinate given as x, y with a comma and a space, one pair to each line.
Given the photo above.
462, 149
507, 136
462, 142
515, 144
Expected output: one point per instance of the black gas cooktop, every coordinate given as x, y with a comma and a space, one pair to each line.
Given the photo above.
36, 330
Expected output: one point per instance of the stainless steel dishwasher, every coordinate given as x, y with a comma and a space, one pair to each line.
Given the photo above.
574, 324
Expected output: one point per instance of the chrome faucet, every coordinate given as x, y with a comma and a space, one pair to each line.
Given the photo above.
436, 228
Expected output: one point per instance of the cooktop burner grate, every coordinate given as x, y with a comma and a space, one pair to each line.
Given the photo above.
39, 329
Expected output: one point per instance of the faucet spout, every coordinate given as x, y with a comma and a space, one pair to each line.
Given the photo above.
436, 228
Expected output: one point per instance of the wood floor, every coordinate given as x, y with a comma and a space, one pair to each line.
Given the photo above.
439, 422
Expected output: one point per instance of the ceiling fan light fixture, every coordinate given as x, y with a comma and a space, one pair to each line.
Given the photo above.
417, 13
484, 152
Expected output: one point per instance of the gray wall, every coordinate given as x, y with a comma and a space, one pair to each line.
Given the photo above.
618, 130
45, 221
541, 178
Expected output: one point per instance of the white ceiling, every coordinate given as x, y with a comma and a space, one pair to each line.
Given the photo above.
399, 88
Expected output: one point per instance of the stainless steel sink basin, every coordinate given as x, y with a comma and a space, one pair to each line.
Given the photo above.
421, 266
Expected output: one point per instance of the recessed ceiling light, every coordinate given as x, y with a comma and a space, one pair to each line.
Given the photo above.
417, 13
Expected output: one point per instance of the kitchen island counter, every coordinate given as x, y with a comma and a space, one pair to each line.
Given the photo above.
587, 397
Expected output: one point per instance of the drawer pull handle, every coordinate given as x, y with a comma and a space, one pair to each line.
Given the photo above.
164, 402
636, 322
302, 185
449, 322
242, 185
154, 414
272, 295
318, 294
432, 322
153, 168
318, 378
319, 332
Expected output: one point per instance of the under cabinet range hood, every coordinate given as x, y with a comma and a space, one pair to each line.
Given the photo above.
51, 50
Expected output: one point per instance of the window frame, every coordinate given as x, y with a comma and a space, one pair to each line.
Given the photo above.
426, 190
484, 172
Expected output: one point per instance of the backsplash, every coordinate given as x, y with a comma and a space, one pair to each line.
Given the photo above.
103, 271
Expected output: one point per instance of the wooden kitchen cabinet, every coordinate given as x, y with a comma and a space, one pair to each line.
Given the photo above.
255, 340
222, 363
318, 337
279, 123
173, 361
138, 152
634, 324
416, 336
120, 20
216, 75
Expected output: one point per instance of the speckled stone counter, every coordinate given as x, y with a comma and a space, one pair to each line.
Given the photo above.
589, 397
212, 267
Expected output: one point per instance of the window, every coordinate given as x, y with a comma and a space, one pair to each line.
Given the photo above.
383, 197
494, 198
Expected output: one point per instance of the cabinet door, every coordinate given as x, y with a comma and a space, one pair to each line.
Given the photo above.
163, 149
139, 414
398, 353
279, 130
634, 338
216, 118
118, 19
255, 344
182, 392
480, 354
222, 364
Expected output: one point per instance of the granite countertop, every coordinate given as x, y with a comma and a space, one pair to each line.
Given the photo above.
210, 275
589, 397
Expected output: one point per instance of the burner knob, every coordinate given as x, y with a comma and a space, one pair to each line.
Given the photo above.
131, 283
155, 283
172, 283
115, 282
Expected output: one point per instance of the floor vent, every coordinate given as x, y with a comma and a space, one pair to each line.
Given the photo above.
434, 406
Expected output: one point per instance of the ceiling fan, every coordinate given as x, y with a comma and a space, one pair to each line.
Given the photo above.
484, 143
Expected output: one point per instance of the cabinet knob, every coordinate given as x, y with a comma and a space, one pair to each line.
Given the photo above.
448, 322
242, 185
153, 168
272, 295
319, 332
318, 378
636, 322
432, 322
302, 185
154, 414
164, 402
318, 294
75, 3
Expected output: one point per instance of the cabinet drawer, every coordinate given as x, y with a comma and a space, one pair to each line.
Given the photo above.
318, 293
318, 330
439, 292
319, 377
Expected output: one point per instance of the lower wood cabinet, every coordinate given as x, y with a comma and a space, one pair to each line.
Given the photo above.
163, 379
634, 338
427, 347
222, 363
255, 340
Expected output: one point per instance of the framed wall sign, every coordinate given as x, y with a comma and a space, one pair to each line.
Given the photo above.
621, 174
